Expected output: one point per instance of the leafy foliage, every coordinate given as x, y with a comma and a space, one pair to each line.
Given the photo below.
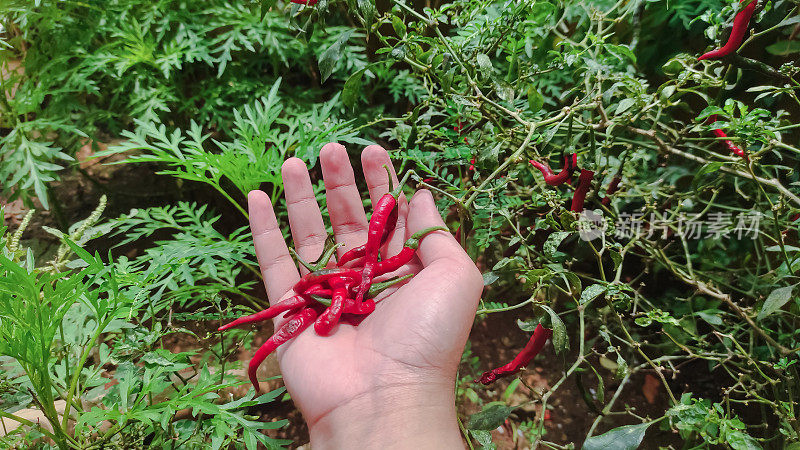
693, 262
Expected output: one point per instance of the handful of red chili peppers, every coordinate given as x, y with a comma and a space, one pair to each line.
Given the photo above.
342, 293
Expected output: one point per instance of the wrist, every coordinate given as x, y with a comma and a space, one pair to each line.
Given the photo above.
398, 416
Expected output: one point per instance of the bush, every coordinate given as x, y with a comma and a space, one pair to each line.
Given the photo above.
687, 272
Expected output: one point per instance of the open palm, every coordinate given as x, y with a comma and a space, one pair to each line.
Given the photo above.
417, 332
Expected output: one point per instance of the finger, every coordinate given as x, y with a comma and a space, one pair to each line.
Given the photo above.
277, 267
373, 158
305, 219
452, 282
439, 245
344, 202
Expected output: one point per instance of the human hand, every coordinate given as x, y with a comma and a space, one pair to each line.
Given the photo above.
390, 380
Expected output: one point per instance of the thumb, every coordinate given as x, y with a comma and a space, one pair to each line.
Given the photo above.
436, 246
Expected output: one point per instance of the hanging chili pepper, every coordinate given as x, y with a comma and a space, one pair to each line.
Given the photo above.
305, 2
721, 134
532, 348
570, 164
472, 163
290, 329
613, 186
584, 183
406, 254
739, 29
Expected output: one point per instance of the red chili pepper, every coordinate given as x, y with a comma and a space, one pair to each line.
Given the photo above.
374, 291
570, 164
290, 329
793, 218
584, 183
613, 186
740, 23
324, 275
721, 134
328, 319
366, 307
290, 304
532, 348
360, 251
376, 226
305, 2
406, 254
377, 223
471, 161
269, 313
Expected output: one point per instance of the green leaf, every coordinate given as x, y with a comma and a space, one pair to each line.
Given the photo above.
560, 339
484, 63
489, 278
624, 105
775, 301
622, 368
591, 293
552, 243
328, 58
709, 168
783, 48
627, 437
616, 257
741, 441
528, 326
492, 416
511, 388
484, 438
399, 27
535, 99
352, 88
623, 52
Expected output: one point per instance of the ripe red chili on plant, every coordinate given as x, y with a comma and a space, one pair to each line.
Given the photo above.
740, 23
721, 134
613, 187
553, 179
532, 348
584, 183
